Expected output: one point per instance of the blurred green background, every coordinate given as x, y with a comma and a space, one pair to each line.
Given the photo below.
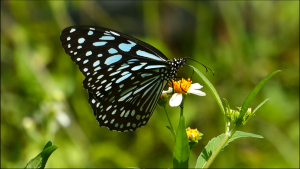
42, 97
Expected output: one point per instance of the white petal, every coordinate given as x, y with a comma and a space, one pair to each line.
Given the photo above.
175, 100
196, 92
195, 86
170, 90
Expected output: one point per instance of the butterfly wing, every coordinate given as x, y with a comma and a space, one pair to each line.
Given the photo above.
123, 75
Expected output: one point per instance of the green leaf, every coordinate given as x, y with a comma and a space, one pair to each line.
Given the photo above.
254, 111
251, 96
49, 143
261, 104
182, 150
211, 88
215, 142
41, 159
240, 134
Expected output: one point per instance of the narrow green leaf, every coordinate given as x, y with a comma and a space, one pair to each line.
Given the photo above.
240, 134
211, 88
261, 104
41, 159
182, 150
254, 111
227, 104
253, 93
49, 143
215, 142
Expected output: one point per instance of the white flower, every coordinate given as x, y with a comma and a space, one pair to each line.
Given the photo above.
180, 87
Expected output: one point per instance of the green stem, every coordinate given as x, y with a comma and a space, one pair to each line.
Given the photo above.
172, 129
218, 150
228, 135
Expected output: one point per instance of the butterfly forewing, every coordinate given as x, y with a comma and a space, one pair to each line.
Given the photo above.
123, 75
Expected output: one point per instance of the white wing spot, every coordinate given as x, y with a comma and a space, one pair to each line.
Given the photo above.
115, 33
96, 63
88, 53
108, 107
85, 61
132, 112
90, 32
122, 114
81, 40
72, 30
127, 113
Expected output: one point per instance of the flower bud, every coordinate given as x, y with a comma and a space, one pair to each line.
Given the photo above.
193, 134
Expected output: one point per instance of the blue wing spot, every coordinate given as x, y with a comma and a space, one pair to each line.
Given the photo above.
138, 67
92, 28
89, 53
125, 73
97, 68
78, 59
90, 32
96, 63
154, 66
69, 45
99, 43
127, 47
133, 60
85, 69
100, 76
81, 40
112, 51
115, 33
107, 38
100, 55
114, 73
148, 55
69, 38
85, 61
75, 53
107, 34
72, 30
103, 81
123, 78
79, 47
113, 59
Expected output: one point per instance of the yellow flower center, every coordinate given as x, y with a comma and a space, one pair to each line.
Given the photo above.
192, 133
181, 86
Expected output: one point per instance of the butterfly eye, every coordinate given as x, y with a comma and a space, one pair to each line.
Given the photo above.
124, 76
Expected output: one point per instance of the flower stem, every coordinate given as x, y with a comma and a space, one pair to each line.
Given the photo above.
181, 105
171, 126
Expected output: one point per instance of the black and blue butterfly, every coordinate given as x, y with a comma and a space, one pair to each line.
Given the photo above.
123, 75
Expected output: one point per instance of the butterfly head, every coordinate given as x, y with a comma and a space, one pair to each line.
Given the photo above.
175, 64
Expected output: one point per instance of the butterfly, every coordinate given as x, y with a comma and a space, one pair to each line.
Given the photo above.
124, 76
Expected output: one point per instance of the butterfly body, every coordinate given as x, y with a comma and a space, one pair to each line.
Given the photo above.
123, 75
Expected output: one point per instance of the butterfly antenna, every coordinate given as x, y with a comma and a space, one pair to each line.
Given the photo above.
207, 68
